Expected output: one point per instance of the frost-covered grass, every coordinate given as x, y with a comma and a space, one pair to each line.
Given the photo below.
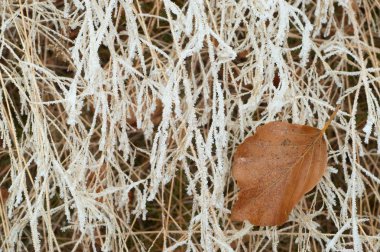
119, 118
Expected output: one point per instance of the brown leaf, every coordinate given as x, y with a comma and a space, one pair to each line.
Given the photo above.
274, 168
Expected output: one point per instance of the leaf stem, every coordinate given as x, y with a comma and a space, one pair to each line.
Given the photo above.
327, 124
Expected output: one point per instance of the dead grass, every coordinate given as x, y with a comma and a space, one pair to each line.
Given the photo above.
120, 137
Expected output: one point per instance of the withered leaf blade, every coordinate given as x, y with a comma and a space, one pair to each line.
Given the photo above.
3, 195
274, 168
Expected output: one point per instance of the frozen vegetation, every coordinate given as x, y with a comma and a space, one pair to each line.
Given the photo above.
119, 119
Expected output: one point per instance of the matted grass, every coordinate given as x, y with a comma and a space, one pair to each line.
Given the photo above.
119, 119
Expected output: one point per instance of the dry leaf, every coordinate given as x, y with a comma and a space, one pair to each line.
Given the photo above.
274, 168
